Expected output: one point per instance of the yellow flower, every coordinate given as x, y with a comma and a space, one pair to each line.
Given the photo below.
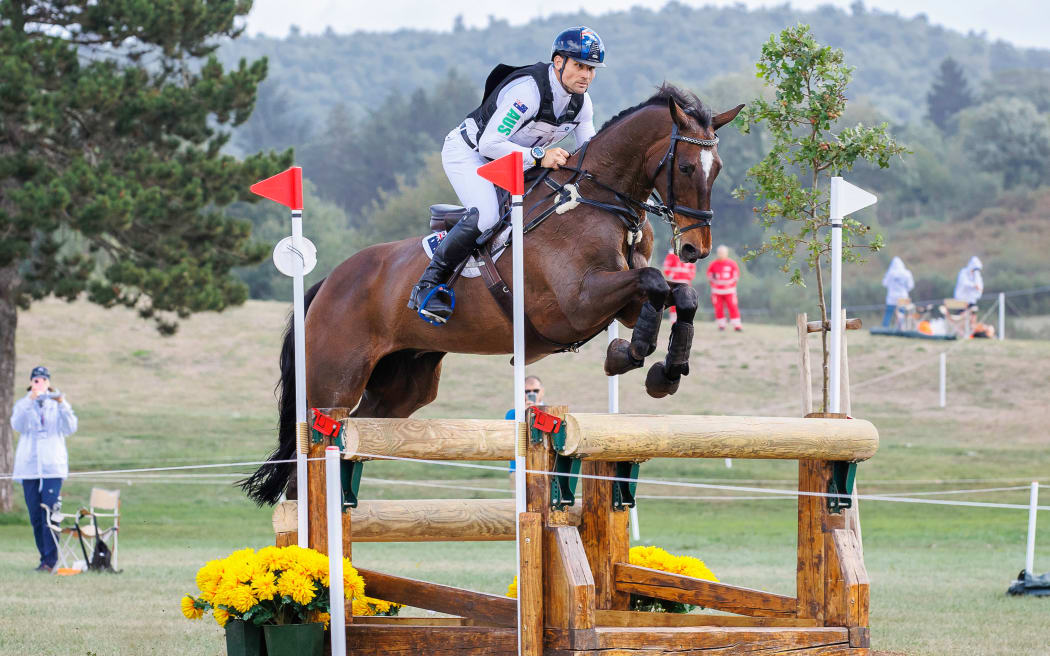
353, 584
297, 585
657, 558
190, 610
241, 598
264, 585
317, 616
208, 578
221, 616
512, 589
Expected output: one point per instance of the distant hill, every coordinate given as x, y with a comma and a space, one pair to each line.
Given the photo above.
896, 57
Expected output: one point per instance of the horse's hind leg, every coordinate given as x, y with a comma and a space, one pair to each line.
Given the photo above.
663, 377
623, 356
401, 383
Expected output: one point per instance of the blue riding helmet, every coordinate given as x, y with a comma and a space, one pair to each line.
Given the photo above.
582, 44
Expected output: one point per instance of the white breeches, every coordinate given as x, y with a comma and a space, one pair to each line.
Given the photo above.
461, 166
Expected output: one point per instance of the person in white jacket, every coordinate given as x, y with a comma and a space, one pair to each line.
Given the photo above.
969, 285
44, 419
898, 282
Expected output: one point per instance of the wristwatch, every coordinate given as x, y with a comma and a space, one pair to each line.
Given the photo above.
537, 154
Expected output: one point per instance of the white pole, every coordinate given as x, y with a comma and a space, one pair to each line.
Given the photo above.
613, 332
1002, 316
944, 379
299, 330
518, 267
836, 298
334, 513
1033, 503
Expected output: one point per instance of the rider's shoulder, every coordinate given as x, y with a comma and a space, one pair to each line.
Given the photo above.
521, 91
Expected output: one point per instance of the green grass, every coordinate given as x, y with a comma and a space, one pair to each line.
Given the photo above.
938, 574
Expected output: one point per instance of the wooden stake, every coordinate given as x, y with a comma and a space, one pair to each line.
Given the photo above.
805, 373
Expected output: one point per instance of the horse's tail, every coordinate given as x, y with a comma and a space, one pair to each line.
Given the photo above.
266, 485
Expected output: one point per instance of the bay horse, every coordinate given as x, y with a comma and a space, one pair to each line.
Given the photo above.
584, 268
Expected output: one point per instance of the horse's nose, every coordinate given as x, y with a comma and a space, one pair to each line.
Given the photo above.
689, 253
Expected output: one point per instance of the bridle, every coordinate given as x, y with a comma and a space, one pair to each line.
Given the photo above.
670, 208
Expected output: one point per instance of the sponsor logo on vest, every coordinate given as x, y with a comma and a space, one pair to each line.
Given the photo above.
509, 121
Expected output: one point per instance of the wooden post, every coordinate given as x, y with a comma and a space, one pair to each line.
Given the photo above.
605, 537
813, 476
804, 371
530, 587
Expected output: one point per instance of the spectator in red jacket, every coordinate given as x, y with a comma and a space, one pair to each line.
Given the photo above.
676, 270
723, 275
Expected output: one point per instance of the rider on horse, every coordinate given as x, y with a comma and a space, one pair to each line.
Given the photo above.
531, 108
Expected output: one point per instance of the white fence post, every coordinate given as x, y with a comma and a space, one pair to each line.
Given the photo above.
334, 512
1033, 504
944, 375
1002, 316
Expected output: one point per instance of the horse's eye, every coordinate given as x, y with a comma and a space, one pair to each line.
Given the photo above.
687, 168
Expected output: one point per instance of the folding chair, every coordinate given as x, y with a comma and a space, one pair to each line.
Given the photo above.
959, 317
63, 529
104, 504
905, 314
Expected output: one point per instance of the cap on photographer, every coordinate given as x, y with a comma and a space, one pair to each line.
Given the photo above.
43, 419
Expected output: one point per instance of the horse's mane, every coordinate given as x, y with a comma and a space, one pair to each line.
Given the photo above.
686, 101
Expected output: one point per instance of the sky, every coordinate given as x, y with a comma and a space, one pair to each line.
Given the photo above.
1021, 22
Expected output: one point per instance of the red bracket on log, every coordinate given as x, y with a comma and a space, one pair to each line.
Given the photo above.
325, 425
544, 422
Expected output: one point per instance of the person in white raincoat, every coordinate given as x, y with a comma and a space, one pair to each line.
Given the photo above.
969, 286
898, 282
43, 419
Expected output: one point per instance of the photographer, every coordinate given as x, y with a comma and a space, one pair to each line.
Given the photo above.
533, 396
44, 419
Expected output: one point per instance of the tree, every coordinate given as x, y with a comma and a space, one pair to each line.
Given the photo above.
112, 180
949, 94
1009, 137
791, 182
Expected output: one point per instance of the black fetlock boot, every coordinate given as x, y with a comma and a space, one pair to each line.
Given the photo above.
429, 297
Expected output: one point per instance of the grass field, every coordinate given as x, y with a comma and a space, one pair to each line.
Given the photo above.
939, 574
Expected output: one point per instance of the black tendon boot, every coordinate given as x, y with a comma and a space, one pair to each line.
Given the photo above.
663, 377
457, 246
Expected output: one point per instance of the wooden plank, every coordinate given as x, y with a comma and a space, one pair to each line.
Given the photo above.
568, 586
719, 596
399, 620
635, 618
318, 527
418, 520
375, 639
853, 323
835, 602
812, 477
530, 585
640, 437
429, 439
287, 539
854, 577
499, 610
805, 371
733, 639
603, 532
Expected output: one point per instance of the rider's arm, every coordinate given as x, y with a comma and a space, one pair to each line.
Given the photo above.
585, 130
508, 118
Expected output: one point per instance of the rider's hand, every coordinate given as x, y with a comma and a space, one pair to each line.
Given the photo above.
554, 158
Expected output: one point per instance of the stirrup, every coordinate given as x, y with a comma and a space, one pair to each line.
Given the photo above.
429, 316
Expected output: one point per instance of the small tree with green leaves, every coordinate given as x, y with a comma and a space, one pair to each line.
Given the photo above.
790, 185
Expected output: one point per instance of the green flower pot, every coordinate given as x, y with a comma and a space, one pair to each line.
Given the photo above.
294, 639
244, 639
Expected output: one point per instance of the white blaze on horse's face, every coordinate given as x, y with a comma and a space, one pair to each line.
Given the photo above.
707, 159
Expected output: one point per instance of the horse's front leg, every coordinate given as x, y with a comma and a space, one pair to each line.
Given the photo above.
663, 377
623, 356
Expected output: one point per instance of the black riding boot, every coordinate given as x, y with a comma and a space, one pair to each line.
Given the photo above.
457, 246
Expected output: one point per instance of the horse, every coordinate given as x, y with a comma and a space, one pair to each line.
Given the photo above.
585, 268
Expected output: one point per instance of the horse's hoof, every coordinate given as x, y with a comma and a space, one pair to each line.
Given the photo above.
618, 358
657, 384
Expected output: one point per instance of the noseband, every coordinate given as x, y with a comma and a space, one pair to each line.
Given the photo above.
670, 208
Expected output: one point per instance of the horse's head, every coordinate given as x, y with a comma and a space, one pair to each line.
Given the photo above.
689, 169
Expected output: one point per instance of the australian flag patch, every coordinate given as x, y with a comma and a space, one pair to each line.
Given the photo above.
520, 106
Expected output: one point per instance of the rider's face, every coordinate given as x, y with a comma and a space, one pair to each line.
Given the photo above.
575, 77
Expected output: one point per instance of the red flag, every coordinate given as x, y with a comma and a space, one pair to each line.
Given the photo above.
505, 172
285, 188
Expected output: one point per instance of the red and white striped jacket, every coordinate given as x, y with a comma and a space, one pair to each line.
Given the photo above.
723, 276
676, 270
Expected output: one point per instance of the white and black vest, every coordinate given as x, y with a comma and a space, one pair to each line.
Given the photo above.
541, 130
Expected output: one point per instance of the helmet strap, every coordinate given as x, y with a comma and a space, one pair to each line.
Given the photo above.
561, 72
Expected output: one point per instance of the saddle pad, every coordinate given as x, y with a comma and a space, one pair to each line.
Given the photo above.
472, 268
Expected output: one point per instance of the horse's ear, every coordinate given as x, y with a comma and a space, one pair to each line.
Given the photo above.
725, 117
677, 115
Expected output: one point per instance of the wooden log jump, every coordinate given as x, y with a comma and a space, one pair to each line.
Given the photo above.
576, 579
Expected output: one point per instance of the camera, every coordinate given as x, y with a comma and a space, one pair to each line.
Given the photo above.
532, 397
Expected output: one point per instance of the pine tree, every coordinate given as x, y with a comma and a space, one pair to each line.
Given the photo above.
949, 93
112, 180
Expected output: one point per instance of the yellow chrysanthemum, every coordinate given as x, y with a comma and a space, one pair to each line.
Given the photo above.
657, 558
208, 578
221, 616
512, 589
264, 585
360, 608
190, 610
297, 585
318, 616
353, 584
241, 599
